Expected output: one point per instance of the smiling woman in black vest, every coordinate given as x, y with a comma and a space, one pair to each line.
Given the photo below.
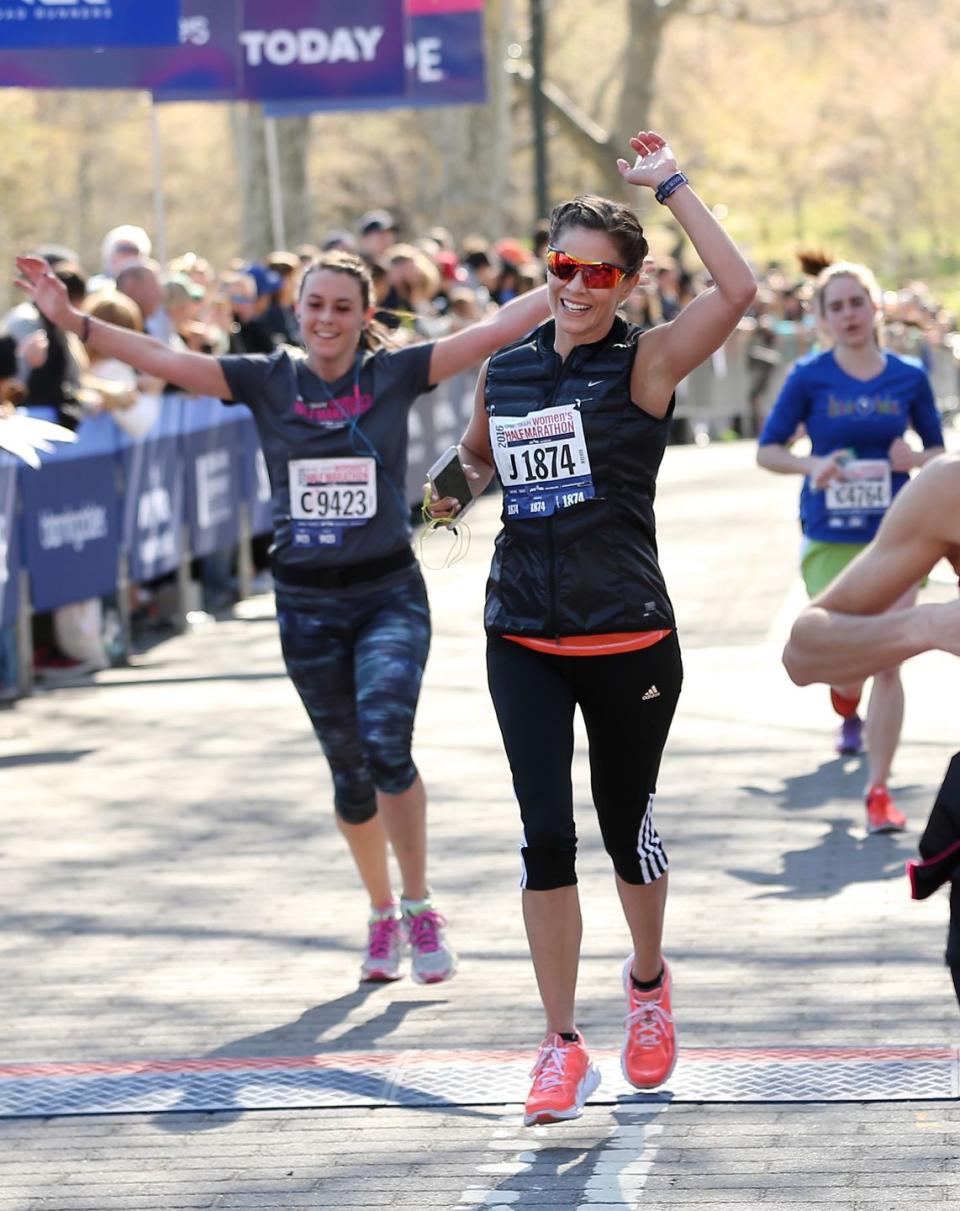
573, 419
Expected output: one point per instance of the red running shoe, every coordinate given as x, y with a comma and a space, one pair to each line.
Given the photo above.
882, 816
563, 1079
649, 1053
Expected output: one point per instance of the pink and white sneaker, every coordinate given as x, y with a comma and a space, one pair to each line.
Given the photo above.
433, 961
385, 945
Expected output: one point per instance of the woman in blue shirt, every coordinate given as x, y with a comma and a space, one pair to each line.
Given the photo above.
855, 402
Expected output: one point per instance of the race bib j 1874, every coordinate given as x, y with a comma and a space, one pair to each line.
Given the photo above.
542, 461
328, 495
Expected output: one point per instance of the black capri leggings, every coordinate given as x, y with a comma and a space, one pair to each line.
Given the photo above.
627, 702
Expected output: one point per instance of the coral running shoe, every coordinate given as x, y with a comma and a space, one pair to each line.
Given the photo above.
650, 1047
563, 1079
850, 737
381, 963
433, 960
882, 816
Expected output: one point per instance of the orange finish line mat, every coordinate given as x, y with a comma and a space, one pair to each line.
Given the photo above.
466, 1078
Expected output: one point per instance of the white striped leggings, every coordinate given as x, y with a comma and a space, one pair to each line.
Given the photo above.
627, 702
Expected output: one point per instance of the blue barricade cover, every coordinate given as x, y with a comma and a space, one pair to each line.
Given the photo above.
154, 508
71, 517
254, 477
9, 539
210, 442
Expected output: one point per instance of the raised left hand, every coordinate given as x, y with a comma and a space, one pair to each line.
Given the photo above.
45, 289
655, 161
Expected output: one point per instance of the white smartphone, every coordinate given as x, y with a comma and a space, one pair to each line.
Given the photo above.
449, 479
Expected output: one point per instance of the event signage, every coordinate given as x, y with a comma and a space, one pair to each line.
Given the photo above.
243, 50
209, 442
9, 555
153, 496
445, 62
100, 23
254, 477
71, 540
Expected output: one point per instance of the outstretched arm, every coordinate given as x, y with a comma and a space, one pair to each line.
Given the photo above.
197, 373
475, 454
668, 353
842, 636
472, 345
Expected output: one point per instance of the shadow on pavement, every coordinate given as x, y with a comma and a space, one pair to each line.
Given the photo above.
838, 778
837, 861
304, 1037
56, 757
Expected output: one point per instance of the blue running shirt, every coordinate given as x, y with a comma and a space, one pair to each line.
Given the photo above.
842, 412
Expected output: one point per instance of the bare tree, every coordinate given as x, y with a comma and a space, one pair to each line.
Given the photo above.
647, 21
293, 144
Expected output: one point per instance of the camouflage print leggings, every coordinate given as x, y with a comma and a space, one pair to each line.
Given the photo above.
356, 657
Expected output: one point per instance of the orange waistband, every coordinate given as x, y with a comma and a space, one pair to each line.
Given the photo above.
592, 645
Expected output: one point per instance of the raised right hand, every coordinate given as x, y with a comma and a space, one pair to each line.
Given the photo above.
45, 289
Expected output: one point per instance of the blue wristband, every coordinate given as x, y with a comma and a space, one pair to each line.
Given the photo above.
669, 186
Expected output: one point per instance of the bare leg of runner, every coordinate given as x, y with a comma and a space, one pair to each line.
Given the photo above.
368, 846
884, 722
554, 930
644, 906
405, 821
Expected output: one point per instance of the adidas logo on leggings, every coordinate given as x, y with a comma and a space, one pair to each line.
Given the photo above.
652, 692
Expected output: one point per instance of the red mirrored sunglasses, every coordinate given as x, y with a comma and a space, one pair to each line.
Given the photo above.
595, 275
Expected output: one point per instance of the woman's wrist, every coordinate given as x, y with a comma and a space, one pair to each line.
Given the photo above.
78, 323
669, 185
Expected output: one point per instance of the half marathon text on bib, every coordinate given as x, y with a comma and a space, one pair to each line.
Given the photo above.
542, 461
329, 494
865, 487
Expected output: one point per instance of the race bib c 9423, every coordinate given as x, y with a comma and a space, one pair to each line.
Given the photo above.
327, 495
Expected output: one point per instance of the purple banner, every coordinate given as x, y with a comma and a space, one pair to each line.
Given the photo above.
50, 23
243, 50
341, 47
445, 63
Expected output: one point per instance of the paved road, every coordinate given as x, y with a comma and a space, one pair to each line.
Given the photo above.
174, 886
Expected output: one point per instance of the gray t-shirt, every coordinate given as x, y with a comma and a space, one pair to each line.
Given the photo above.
336, 452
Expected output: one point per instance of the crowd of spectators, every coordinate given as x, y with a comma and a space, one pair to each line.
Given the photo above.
425, 286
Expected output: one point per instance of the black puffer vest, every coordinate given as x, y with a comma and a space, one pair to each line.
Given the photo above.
591, 568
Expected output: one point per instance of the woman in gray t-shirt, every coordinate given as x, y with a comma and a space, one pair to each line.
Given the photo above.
350, 599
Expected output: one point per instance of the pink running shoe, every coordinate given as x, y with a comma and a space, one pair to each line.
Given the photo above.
381, 963
432, 959
650, 1044
563, 1079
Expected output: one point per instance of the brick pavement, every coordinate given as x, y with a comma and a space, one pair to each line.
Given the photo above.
174, 887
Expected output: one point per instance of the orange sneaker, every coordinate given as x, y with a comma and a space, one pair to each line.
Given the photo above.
882, 816
650, 1048
563, 1079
